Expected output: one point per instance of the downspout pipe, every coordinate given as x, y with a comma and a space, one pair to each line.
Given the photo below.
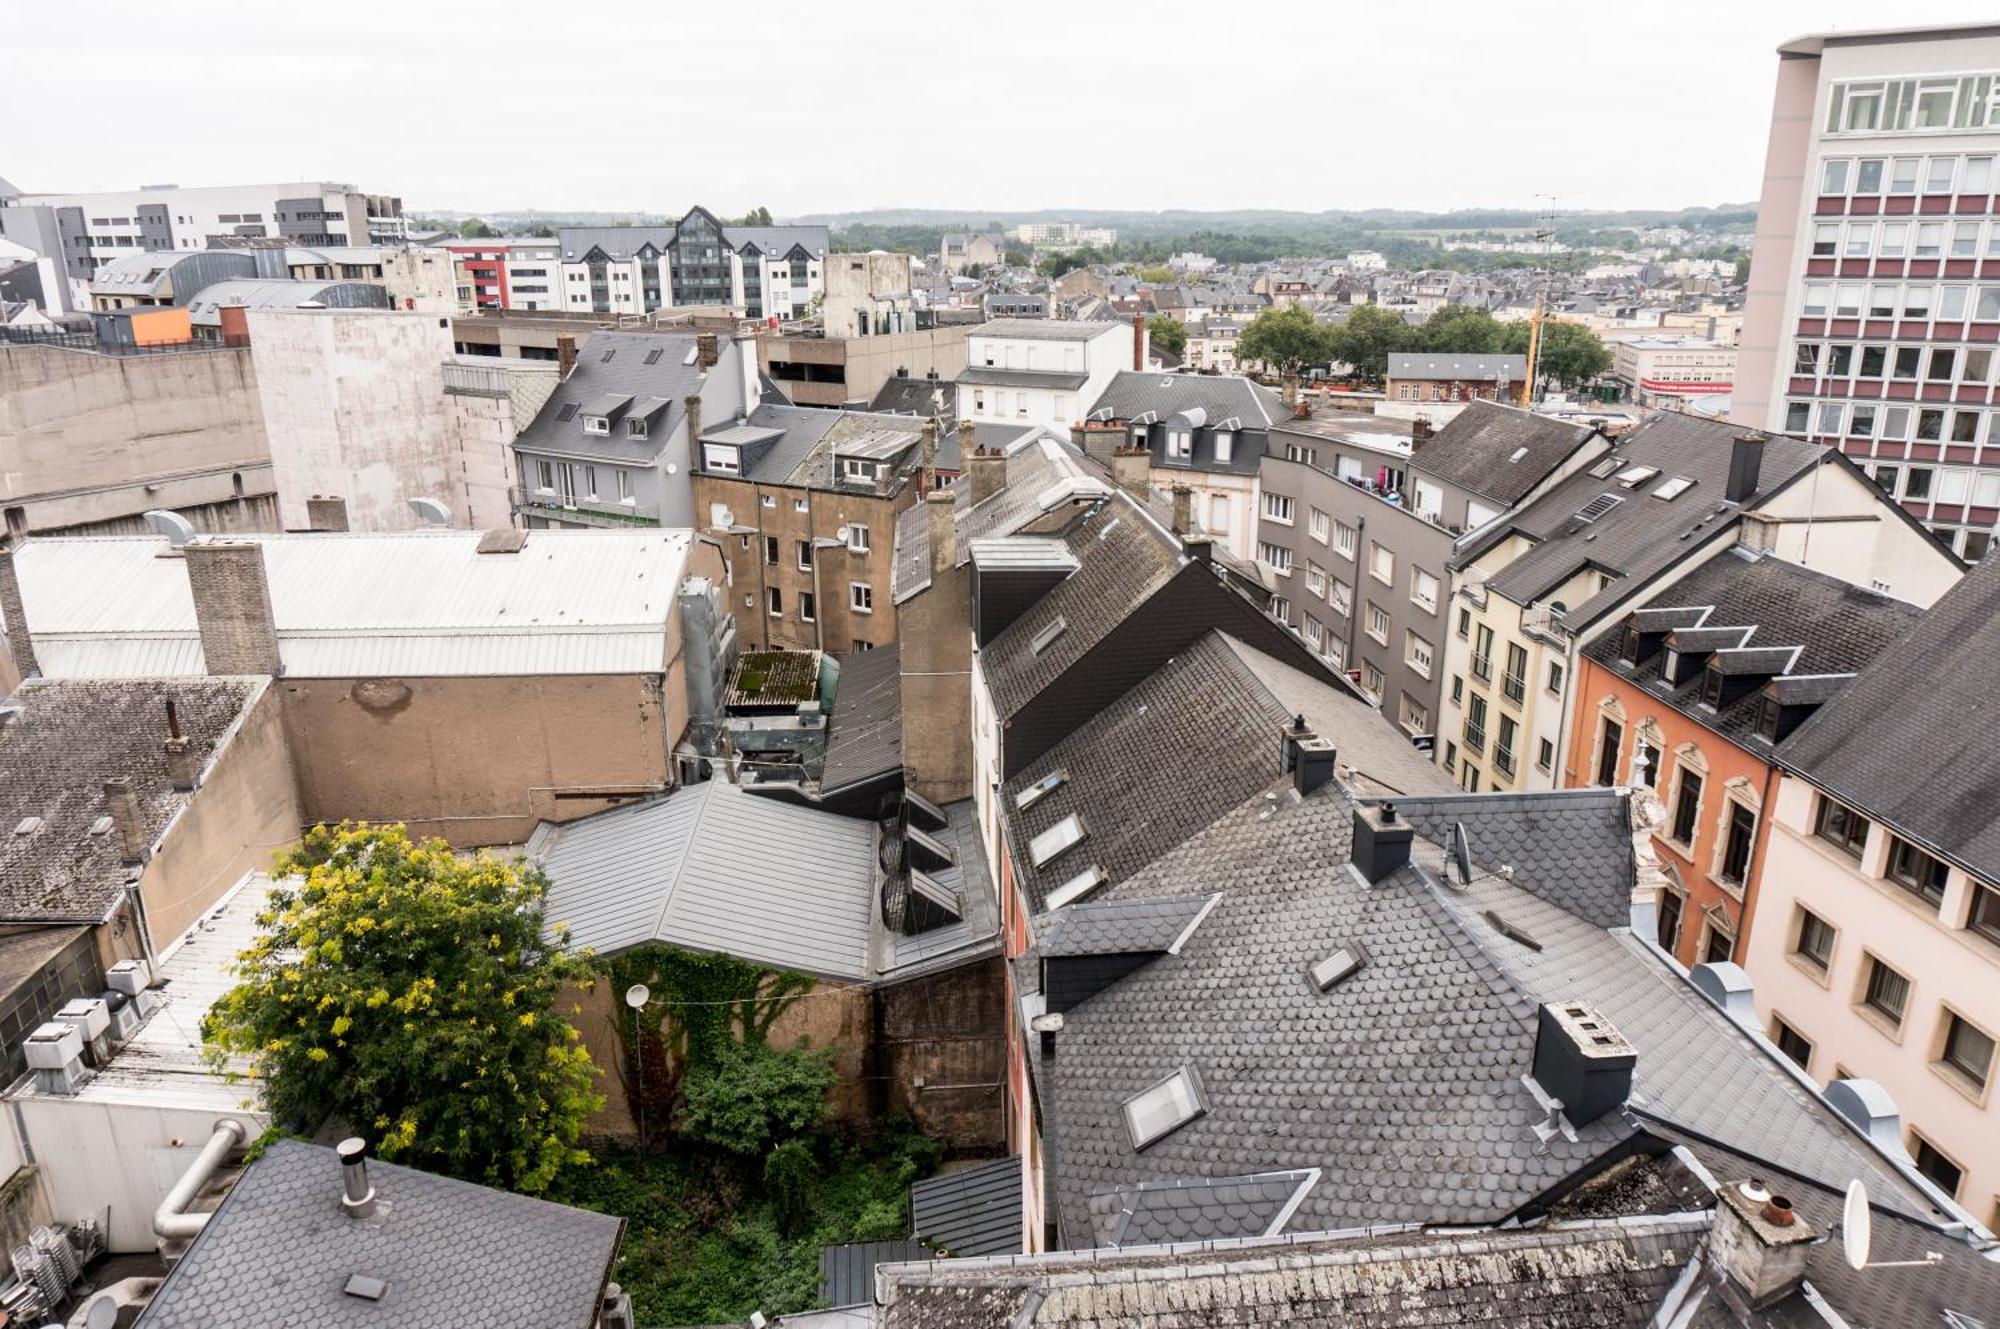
171, 1220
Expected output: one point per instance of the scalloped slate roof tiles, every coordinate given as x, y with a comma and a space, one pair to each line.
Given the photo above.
1572, 848
1118, 927
1156, 1213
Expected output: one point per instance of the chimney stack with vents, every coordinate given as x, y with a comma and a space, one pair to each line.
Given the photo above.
565, 355
14, 614
1760, 1243
1308, 757
1138, 343
938, 513
706, 352
1420, 431
357, 1197
692, 404
1288, 389
967, 443
1746, 459
930, 457
1183, 511
235, 324
123, 805
182, 764
989, 473
1582, 1059
1381, 841
232, 606
1132, 470
326, 512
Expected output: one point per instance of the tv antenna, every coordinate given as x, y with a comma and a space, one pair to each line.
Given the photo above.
1857, 1233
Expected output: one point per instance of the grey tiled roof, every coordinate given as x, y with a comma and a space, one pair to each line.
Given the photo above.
626, 374
280, 1251
1162, 1212
1841, 627
847, 1271
864, 738
1643, 535
801, 428
1117, 927
1475, 450
1222, 396
70, 736
1403, 1083
1032, 468
1909, 741
1572, 847
1043, 329
971, 1211
994, 376
917, 396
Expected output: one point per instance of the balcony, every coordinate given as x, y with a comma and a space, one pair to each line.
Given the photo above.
583, 511
465, 380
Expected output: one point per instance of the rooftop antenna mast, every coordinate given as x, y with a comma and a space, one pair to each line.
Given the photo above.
1545, 233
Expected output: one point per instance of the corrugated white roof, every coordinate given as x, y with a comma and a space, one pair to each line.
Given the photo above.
408, 603
712, 868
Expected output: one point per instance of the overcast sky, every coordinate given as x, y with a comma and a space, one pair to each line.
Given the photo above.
838, 105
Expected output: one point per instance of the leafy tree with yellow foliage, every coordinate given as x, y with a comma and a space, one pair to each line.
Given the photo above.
412, 992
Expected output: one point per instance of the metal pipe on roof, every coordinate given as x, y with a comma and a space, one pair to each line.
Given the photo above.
171, 1220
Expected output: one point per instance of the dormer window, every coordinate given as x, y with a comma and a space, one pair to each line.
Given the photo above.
1180, 445
1225, 446
1711, 686
635, 428
1767, 717
858, 471
1138, 436
1629, 652
721, 459
596, 424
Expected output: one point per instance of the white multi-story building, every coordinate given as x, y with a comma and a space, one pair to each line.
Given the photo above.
1042, 371
1669, 371
768, 272
1874, 294
94, 228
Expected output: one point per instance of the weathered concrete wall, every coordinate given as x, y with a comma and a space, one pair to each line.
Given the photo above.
479, 760
941, 1047
82, 435
355, 404
244, 810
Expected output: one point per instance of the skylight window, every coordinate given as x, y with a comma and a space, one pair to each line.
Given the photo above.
693, 351
1517, 454
1057, 840
1325, 974
1634, 476
1039, 790
1047, 636
653, 356
1156, 1112
1082, 884
1604, 468
567, 413
1673, 487
1597, 507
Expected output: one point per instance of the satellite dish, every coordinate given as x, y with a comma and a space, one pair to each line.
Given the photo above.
103, 1314
431, 512
638, 995
170, 524
1855, 1225
1461, 852
725, 518
840, 534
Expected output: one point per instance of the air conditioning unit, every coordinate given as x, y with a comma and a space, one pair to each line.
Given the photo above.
134, 978
55, 1054
124, 1012
91, 1019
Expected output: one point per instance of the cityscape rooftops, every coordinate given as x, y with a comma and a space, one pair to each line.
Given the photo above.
1499, 452
1474, 368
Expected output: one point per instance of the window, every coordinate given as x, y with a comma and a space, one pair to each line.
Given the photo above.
1381, 563
1159, 1110
857, 538
1468, 778
1967, 1049
1984, 917
774, 602
1378, 623
1056, 840
1607, 752
1345, 538
1817, 297
1792, 1043
1720, 946
1687, 808
1555, 683
1276, 557
1464, 622
1815, 940
1457, 689
1318, 525
1416, 717
1082, 884
1418, 654
805, 551
1316, 579
1672, 904
1739, 839
1826, 240
1503, 745
1371, 679
1424, 590
1482, 654
1180, 445
1475, 724
861, 597
1514, 683
807, 607
771, 550
624, 479
1946, 1174
1887, 992
1916, 871
1842, 826
1277, 507
1833, 177
1545, 756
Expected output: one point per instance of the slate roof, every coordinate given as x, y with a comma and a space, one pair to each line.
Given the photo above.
1163, 1212
626, 374
1642, 535
1908, 741
1223, 396
1042, 329
68, 738
1035, 464
847, 1271
280, 1250
1841, 628
1119, 927
1475, 450
711, 867
996, 376
864, 738
917, 396
1606, 1274
971, 1211
1489, 368
1571, 847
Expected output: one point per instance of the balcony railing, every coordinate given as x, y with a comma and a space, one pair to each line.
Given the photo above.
588, 511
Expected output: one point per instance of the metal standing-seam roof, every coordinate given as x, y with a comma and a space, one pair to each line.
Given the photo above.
411, 603
974, 1211
713, 868
864, 739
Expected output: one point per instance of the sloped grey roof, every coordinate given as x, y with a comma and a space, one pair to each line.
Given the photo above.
994, 376
864, 737
1119, 927
1421, 364
1570, 847
917, 396
778, 241
627, 374
1475, 450
901, 957
1223, 396
618, 242
1033, 467
710, 867
847, 1271
971, 1211
72, 735
204, 306
1841, 628
1206, 1209
1043, 329
1908, 742
279, 1250
800, 428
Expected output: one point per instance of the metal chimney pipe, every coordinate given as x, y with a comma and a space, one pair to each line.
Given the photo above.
357, 1198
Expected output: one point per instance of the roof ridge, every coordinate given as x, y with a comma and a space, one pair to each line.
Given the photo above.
686, 850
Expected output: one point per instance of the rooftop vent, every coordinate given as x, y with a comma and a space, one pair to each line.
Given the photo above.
1329, 972
27, 825
1598, 507
1039, 790
366, 1288
502, 540
1582, 1059
357, 1199
1158, 1110
920, 811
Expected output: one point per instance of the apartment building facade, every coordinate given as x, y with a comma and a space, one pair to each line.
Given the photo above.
507, 273
1445, 379
1874, 296
1672, 372
1045, 372
767, 272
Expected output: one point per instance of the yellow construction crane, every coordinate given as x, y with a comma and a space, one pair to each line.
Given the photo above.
1546, 235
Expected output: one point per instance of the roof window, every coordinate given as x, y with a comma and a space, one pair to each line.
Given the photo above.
1517, 454
1039, 790
1634, 476
1046, 637
1158, 1110
1604, 468
1057, 840
1673, 487
653, 356
1327, 973
1082, 884
567, 413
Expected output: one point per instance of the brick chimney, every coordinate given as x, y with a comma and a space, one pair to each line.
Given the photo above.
1746, 461
183, 763
929, 481
235, 324
989, 473
1138, 343
14, 614
1760, 1243
935, 629
326, 512
706, 351
565, 354
232, 606
938, 510
967, 444
1132, 471
126, 823
1420, 431
692, 403
1183, 510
